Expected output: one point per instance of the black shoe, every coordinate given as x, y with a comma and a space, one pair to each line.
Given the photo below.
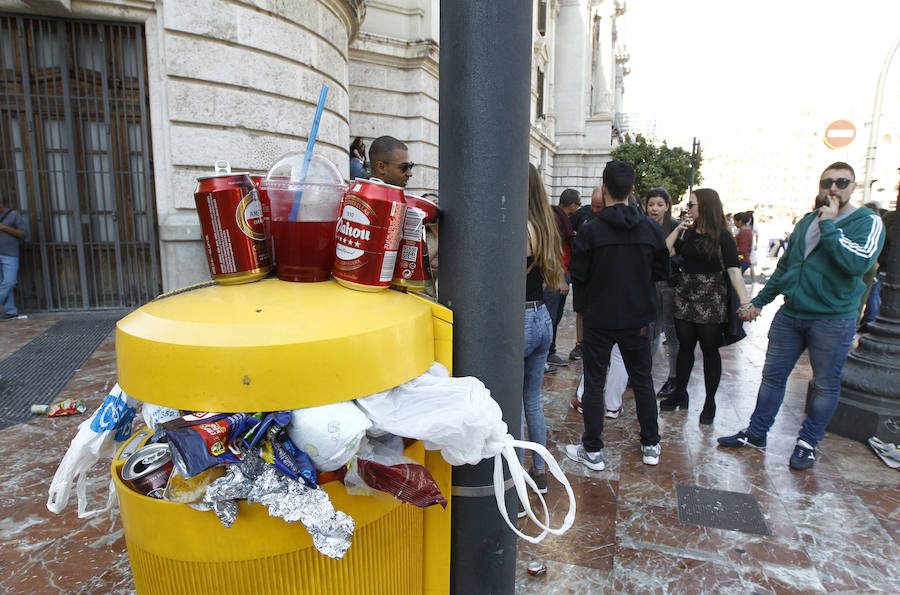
577, 352
554, 359
743, 438
804, 456
667, 390
675, 401
708, 414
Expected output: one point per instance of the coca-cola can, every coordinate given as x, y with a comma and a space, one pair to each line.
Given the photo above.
368, 234
537, 568
235, 234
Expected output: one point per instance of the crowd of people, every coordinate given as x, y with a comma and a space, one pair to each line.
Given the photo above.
638, 274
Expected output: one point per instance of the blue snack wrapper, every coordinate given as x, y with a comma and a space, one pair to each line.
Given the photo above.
286, 457
276, 419
202, 440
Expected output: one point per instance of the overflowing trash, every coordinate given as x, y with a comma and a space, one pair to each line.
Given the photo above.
211, 461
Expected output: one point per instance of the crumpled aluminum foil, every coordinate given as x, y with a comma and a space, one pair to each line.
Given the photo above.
287, 498
292, 500
227, 511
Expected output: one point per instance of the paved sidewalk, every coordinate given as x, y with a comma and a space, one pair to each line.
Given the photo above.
835, 528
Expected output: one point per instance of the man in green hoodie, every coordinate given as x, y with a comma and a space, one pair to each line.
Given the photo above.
820, 276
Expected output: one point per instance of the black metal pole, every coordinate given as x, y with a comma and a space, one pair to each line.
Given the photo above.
485, 86
870, 382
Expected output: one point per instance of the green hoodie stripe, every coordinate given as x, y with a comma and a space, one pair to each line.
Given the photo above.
828, 283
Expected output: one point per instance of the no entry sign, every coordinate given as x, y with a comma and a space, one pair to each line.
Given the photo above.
839, 133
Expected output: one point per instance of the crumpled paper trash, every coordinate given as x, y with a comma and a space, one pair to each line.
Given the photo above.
886, 451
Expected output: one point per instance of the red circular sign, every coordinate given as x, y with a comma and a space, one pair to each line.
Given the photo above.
839, 133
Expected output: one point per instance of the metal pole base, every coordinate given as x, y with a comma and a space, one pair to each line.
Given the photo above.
870, 386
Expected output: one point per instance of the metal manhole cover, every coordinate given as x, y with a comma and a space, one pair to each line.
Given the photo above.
720, 509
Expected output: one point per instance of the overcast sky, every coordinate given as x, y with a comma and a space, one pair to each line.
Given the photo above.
701, 66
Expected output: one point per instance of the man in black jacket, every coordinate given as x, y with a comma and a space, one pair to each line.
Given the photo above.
616, 259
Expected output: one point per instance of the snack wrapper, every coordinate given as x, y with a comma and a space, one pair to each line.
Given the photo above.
202, 440
281, 453
66, 407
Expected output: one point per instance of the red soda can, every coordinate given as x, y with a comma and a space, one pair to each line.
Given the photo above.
235, 234
266, 212
413, 270
368, 235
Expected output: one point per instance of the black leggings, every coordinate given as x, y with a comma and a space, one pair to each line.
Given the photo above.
710, 338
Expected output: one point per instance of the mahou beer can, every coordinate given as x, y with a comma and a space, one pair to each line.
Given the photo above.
413, 269
410, 271
368, 234
235, 233
266, 213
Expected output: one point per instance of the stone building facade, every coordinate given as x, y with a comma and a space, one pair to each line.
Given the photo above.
239, 80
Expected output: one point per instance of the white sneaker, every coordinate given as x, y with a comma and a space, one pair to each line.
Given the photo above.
591, 460
613, 413
651, 454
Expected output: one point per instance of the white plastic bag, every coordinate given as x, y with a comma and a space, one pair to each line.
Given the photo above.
156, 415
99, 436
458, 417
329, 434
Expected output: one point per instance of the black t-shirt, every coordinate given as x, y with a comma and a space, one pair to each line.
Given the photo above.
534, 282
696, 261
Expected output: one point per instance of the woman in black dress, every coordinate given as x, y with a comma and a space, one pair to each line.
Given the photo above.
708, 248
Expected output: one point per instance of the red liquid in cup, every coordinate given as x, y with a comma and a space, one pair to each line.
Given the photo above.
304, 249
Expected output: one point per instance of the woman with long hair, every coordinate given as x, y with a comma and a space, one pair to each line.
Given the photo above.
357, 158
543, 266
658, 205
707, 247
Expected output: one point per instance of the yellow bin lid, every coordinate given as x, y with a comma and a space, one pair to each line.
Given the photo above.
273, 345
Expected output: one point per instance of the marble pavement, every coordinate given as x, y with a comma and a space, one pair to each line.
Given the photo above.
835, 528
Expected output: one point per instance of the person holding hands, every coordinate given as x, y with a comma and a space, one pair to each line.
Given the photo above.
820, 277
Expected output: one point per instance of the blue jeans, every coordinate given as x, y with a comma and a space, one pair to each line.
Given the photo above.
9, 270
556, 305
828, 342
538, 334
873, 304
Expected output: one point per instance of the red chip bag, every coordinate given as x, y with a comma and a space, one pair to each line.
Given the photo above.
409, 482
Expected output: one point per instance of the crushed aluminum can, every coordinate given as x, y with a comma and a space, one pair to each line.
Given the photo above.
147, 470
537, 568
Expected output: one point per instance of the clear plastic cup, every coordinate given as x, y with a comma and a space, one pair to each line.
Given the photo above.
304, 215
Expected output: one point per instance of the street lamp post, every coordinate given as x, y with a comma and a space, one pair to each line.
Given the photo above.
876, 118
869, 404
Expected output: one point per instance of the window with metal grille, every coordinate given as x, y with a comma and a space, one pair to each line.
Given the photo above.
75, 160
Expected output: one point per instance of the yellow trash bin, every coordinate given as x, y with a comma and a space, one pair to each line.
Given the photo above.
268, 346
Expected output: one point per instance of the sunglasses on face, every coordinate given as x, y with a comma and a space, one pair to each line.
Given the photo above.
405, 166
841, 182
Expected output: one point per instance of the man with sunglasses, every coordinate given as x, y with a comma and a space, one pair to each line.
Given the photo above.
390, 161
820, 276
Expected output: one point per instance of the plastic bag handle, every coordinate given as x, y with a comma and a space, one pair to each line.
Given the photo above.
521, 478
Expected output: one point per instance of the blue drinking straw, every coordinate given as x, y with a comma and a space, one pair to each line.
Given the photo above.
310, 143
